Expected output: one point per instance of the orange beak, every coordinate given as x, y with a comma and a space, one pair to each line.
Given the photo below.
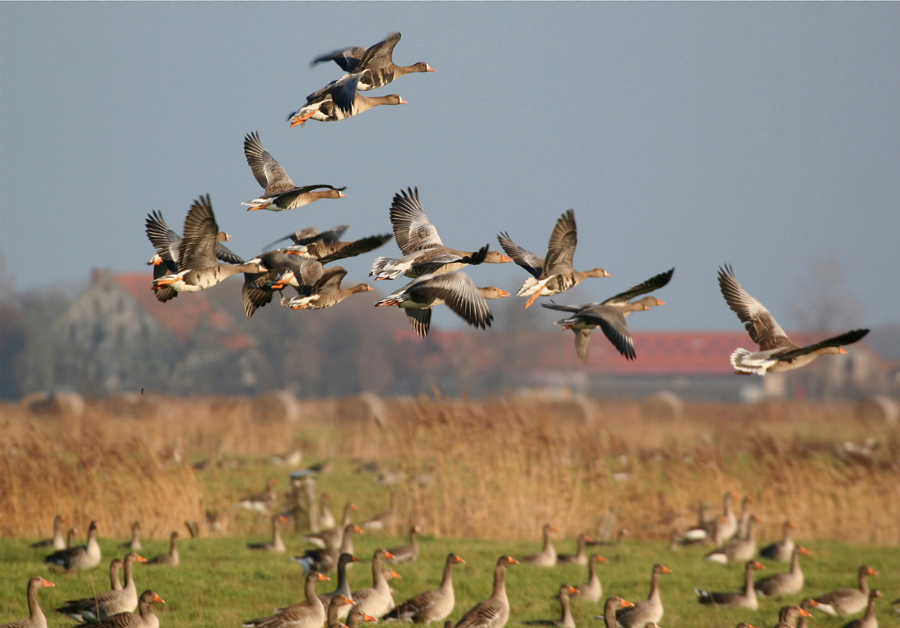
505, 259
47, 583
323, 577
503, 293
156, 598
141, 559
341, 195
387, 554
403, 102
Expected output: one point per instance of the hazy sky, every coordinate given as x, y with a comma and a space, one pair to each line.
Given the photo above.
766, 135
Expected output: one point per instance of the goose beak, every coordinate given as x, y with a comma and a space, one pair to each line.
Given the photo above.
503, 293
504, 259
402, 102
428, 68
47, 583
843, 351
341, 195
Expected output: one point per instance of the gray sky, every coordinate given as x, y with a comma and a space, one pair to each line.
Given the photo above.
690, 134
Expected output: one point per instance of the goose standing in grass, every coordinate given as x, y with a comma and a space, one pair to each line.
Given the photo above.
307, 614
332, 538
788, 616
776, 352
566, 621
737, 550
135, 543
343, 584
422, 248
325, 559
57, 541
612, 606
734, 599
36, 617
280, 193
198, 268
171, 558
610, 316
494, 611
847, 601
430, 606
276, 544
456, 290
785, 583
121, 600
144, 618
409, 552
726, 526
592, 590
650, 609
578, 558
555, 273
377, 600
547, 556
339, 100
782, 550
869, 620
81, 556
375, 64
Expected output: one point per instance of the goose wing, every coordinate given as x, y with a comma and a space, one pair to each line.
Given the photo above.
268, 172
654, 283
563, 240
413, 231
844, 339
198, 246
534, 264
764, 330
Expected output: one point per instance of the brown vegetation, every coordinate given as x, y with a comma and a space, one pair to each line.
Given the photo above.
493, 469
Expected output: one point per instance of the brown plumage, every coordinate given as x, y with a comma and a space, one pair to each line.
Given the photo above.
785, 583
339, 100
734, 599
325, 292
116, 600
80, 556
57, 541
308, 614
494, 611
172, 557
848, 601
612, 606
36, 618
375, 64
430, 606
144, 618
647, 610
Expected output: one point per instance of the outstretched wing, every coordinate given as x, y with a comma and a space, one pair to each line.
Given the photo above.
654, 283
764, 330
413, 230
534, 264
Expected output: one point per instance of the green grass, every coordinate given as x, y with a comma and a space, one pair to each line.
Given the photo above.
221, 583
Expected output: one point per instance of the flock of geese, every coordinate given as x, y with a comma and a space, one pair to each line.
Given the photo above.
199, 260
345, 607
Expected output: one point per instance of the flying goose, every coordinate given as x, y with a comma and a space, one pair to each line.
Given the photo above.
777, 352
734, 599
566, 621
555, 273
57, 541
280, 193
847, 601
144, 618
456, 290
494, 611
339, 100
422, 248
647, 610
430, 606
375, 64
121, 600
197, 265
610, 316
547, 556
36, 617
307, 614
280, 268
785, 583
276, 544
325, 292
592, 590
81, 556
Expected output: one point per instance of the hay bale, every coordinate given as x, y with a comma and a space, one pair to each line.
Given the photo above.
365, 408
663, 405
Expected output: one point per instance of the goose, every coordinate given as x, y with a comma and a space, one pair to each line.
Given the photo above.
135, 543
81, 556
555, 273
726, 526
261, 502
325, 519
409, 552
578, 558
738, 549
785, 583
332, 537
592, 591
612, 606
422, 248
121, 600
280, 193
700, 533
144, 618
343, 585
197, 265
377, 600
333, 606
308, 614
547, 556
456, 290
276, 544
36, 618
325, 559
325, 292
494, 611
115, 566
777, 352
566, 621
847, 601
281, 268
375, 64
782, 550
339, 100
734, 599
744, 520
650, 609
167, 244
610, 316
744, 624
327, 246
430, 606
788, 616
171, 557
869, 620
356, 618
806, 605
57, 541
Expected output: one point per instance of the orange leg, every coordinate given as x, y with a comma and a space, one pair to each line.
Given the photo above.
534, 297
